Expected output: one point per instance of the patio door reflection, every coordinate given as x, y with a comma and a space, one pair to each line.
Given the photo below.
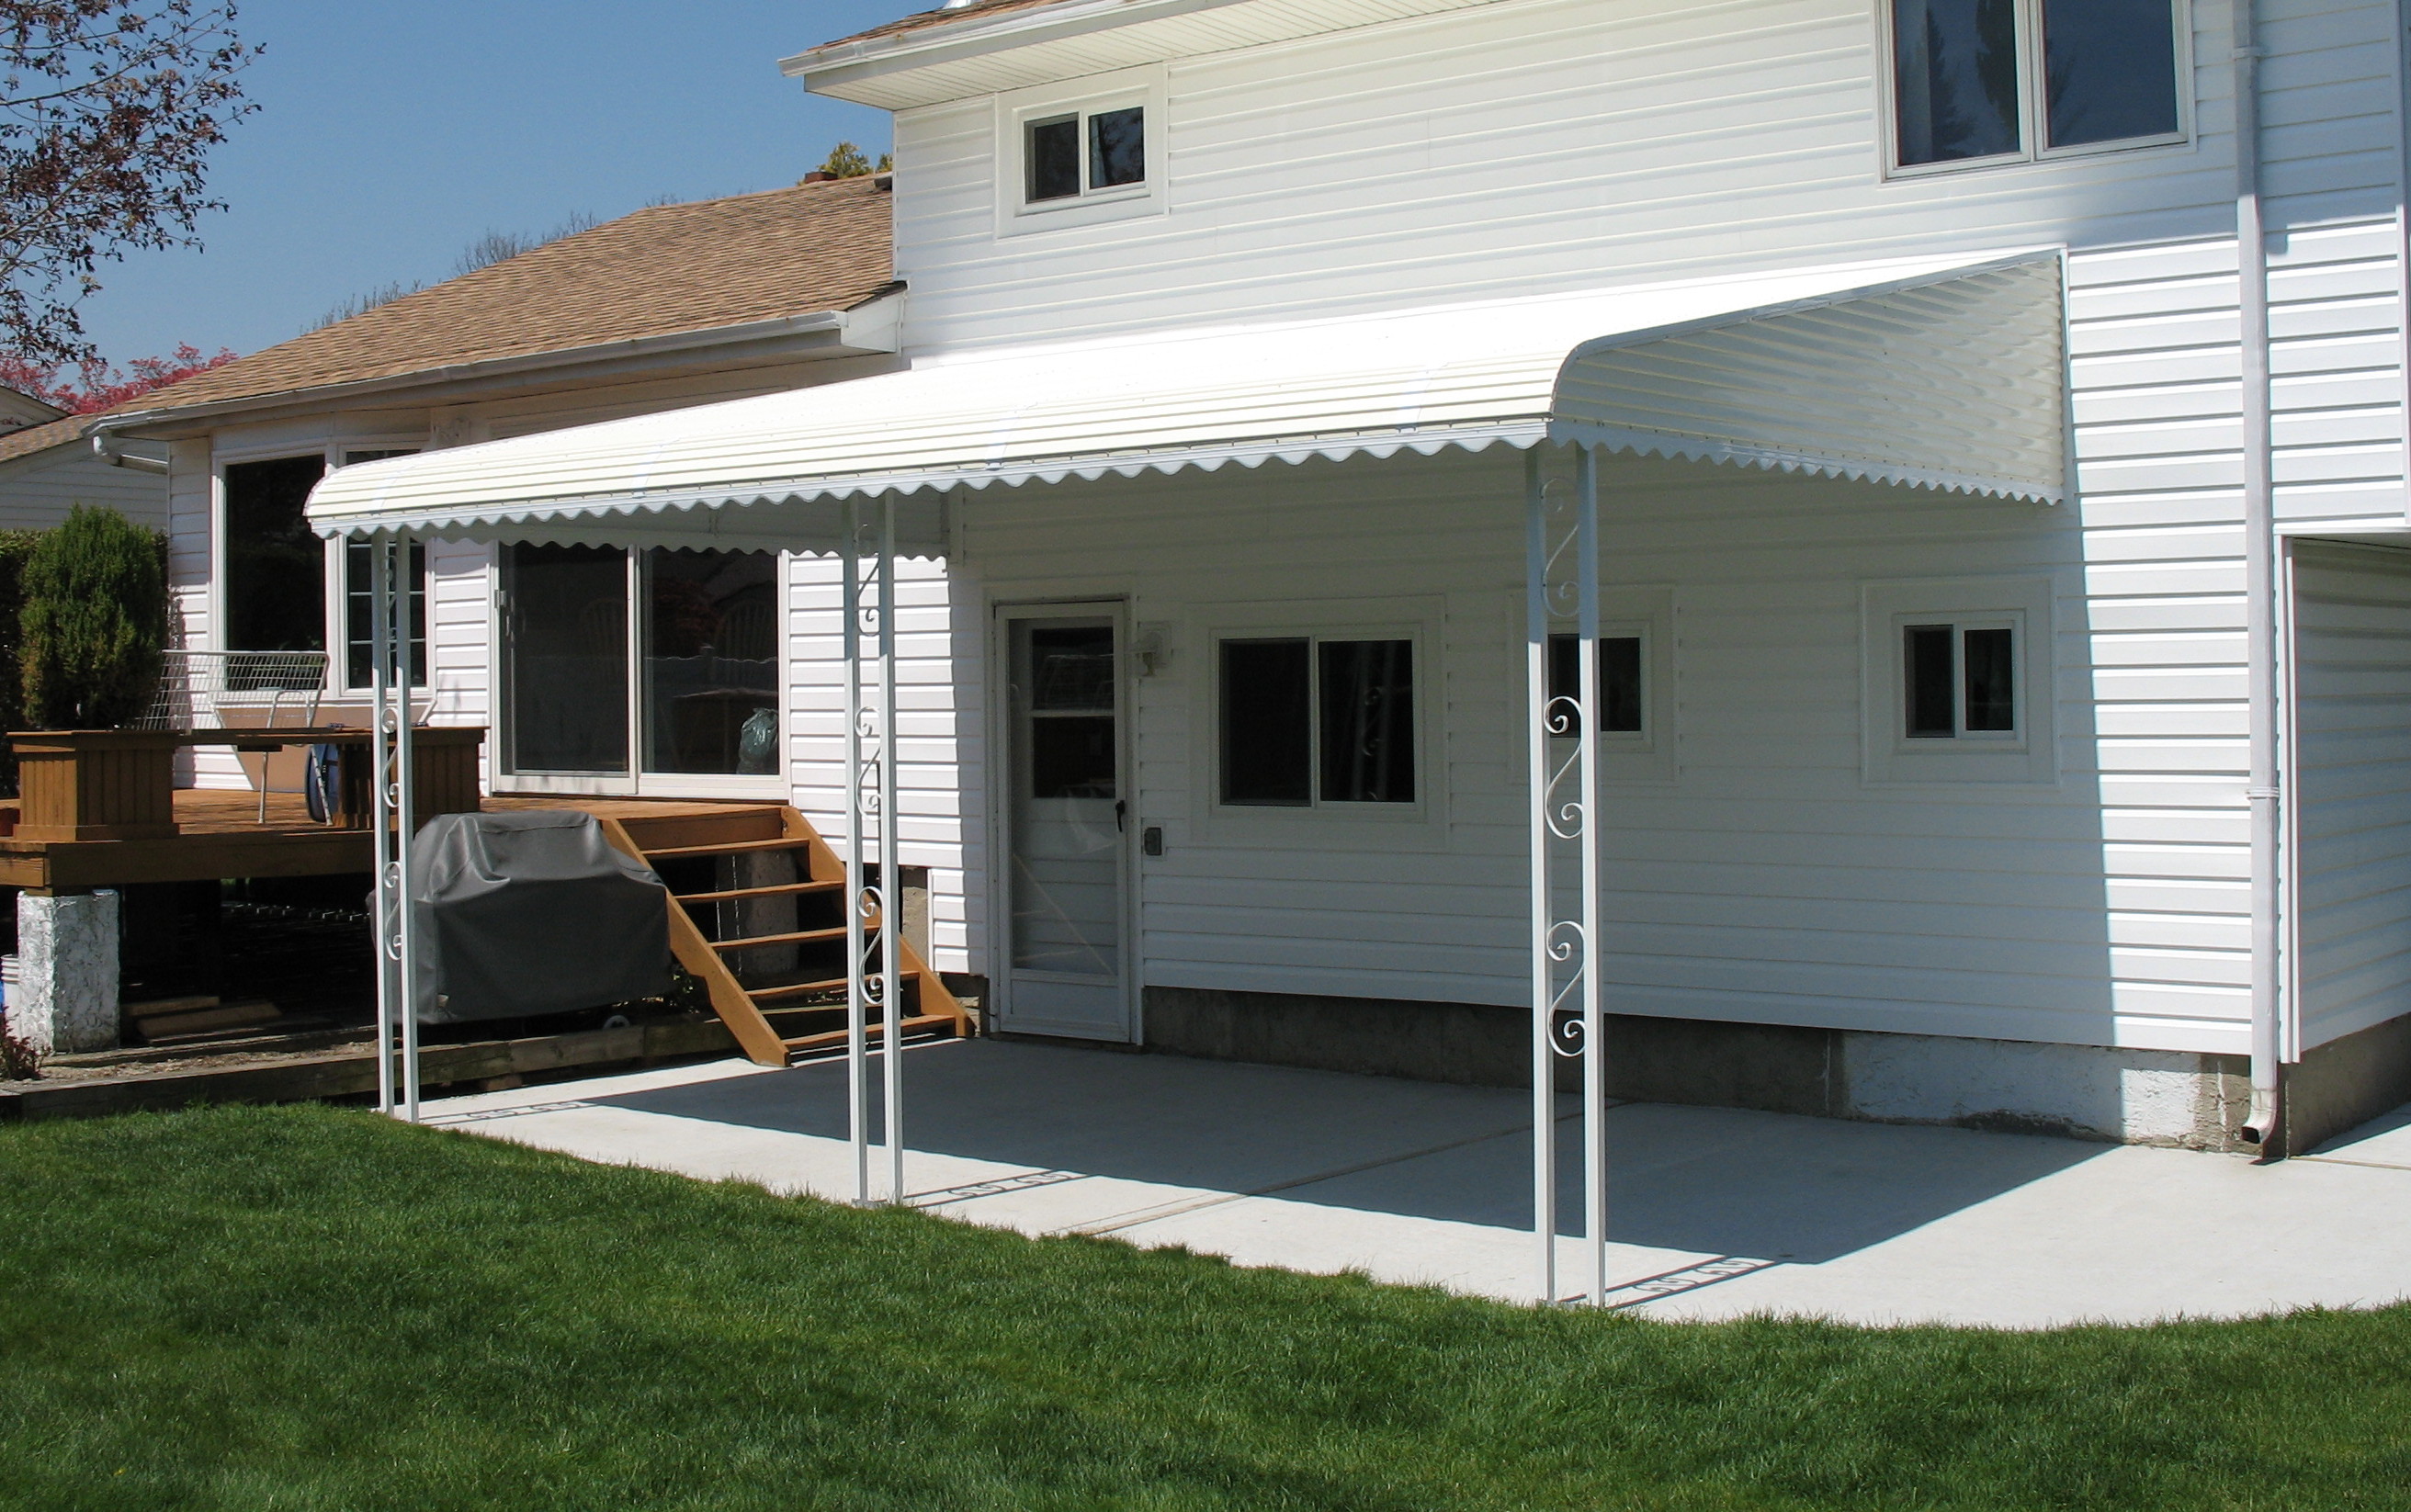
1067, 855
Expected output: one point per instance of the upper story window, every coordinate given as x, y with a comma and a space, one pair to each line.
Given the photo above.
1081, 152
1983, 82
1072, 154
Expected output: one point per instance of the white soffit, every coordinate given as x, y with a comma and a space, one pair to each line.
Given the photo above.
981, 55
1944, 373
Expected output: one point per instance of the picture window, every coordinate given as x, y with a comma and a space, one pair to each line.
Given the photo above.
1992, 80
1309, 720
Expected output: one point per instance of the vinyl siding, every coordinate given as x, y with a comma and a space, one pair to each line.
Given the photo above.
2352, 799
1519, 147
36, 491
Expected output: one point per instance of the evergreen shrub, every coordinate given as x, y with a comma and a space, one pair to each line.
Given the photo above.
94, 621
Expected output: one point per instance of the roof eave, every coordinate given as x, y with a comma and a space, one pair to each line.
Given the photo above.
833, 69
834, 332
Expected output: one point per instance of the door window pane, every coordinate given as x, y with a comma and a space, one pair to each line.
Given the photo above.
2110, 69
1066, 820
360, 621
1267, 737
1927, 656
712, 661
1955, 79
1054, 153
1368, 721
1117, 148
274, 568
569, 659
1992, 680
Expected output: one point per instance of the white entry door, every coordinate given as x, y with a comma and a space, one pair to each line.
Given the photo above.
1067, 817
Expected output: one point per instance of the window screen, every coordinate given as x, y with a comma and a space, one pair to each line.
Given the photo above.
1054, 153
1267, 734
1368, 721
275, 569
1955, 79
1117, 148
1621, 696
2110, 70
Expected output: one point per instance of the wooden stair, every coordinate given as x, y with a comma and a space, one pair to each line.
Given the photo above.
770, 1022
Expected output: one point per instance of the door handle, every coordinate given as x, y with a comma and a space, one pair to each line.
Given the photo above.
1121, 807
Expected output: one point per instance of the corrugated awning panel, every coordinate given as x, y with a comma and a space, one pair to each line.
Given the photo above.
1467, 375
1956, 383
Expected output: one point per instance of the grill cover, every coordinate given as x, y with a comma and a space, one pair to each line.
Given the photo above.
527, 913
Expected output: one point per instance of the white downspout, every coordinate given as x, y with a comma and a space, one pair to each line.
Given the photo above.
2261, 1123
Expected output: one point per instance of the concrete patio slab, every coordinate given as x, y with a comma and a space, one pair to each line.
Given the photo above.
1713, 1212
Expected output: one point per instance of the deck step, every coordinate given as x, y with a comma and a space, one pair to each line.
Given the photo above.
730, 848
799, 937
830, 1040
774, 890
805, 989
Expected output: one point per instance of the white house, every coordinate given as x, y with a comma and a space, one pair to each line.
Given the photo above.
1997, 598
670, 306
48, 466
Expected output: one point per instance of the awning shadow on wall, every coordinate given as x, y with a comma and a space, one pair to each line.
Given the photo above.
1706, 1180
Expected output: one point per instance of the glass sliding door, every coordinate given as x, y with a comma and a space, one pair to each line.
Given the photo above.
655, 672
710, 662
567, 638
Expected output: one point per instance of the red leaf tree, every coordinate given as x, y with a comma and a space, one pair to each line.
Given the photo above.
97, 386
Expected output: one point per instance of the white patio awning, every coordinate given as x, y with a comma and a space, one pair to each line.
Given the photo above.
1942, 373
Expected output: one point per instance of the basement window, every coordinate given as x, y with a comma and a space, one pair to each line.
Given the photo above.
1958, 684
1986, 82
1307, 721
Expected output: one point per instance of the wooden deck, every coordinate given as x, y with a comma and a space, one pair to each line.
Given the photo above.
220, 835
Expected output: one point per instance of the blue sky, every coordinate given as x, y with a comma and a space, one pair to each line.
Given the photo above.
393, 133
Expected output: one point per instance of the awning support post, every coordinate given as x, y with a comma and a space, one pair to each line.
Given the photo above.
856, 990
874, 980
393, 809
891, 884
1562, 757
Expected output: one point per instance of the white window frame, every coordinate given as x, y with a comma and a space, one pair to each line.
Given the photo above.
2034, 119
339, 645
1417, 825
1017, 214
1890, 755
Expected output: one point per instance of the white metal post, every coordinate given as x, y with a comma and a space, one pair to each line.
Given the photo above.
1594, 1045
393, 996
405, 805
857, 1069
1536, 699
891, 888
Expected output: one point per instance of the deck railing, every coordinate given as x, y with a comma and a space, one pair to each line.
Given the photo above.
212, 690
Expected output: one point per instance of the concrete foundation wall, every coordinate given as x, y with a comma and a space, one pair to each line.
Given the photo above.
2138, 1097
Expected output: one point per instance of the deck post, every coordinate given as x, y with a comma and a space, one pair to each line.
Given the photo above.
856, 996
891, 887
64, 998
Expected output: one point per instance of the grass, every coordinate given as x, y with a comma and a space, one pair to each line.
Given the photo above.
304, 1308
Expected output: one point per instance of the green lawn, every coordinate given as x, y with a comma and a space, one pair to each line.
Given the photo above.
307, 1308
